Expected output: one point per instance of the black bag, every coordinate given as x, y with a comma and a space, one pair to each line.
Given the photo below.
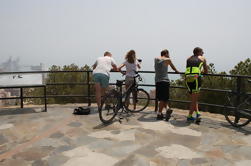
82, 111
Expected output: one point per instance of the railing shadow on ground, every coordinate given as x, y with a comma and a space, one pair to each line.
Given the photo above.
17, 111
89, 96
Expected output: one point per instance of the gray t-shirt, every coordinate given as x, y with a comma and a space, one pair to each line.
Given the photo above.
161, 70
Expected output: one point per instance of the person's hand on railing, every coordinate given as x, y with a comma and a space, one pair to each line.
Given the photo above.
123, 73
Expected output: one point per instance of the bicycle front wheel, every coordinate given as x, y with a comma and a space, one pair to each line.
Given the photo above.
137, 100
109, 107
236, 116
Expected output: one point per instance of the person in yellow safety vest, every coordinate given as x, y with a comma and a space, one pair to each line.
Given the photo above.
194, 66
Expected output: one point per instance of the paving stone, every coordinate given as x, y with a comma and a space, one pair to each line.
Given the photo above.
40, 163
69, 140
221, 162
57, 160
120, 151
183, 162
15, 162
177, 151
3, 148
64, 148
137, 160
101, 144
148, 151
50, 142
115, 131
35, 153
75, 124
2, 139
83, 156
57, 135
6, 126
199, 161
244, 151
243, 163
84, 140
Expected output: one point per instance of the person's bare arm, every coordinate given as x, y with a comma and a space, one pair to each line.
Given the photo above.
169, 62
138, 65
120, 67
94, 65
114, 67
205, 69
173, 67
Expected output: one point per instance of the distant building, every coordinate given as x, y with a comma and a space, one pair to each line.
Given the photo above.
13, 66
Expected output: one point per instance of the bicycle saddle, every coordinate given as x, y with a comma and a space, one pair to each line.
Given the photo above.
119, 82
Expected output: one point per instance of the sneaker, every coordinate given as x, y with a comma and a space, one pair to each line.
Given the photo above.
190, 119
160, 116
168, 114
198, 116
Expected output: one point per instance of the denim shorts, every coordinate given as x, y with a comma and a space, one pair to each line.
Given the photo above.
102, 79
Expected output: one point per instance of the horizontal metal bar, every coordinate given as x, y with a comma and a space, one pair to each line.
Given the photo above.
9, 98
52, 96
22, 86
82, 71
66, 83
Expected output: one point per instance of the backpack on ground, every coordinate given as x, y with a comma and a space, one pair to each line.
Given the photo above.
82, 111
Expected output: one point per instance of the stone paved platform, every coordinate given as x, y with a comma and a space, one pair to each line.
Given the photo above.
29, 137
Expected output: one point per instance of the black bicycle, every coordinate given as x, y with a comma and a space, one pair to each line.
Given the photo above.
134, 99
240, 115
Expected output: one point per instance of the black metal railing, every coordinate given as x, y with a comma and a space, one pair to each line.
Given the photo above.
89, 83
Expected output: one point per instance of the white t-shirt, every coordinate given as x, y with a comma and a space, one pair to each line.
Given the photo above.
104, 65
130, 68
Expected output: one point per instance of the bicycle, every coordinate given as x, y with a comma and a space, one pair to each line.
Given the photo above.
133, 100
240, 115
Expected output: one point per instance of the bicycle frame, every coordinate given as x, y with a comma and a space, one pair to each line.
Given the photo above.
130, 89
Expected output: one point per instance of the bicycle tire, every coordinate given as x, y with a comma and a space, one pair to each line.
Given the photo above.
109, 107
139, 101
242, 109
233, 116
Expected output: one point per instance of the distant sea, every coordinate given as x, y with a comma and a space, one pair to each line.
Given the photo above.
21, 79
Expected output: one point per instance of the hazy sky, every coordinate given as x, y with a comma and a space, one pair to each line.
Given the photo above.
78, 31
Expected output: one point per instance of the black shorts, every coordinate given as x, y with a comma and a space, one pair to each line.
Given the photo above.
194, 87
162, 91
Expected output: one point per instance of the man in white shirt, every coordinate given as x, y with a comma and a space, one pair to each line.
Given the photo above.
101, 74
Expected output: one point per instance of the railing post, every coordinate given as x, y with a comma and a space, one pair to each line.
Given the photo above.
238, 98
89, 88
238, 91
45, 99
21, 98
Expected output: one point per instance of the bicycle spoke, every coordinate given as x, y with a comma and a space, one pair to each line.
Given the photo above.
137, 101
108, 108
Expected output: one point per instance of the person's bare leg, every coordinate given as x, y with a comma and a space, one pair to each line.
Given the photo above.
194, 103
162, 105
98, 94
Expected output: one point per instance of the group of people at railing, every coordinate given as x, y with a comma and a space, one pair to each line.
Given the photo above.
195, 66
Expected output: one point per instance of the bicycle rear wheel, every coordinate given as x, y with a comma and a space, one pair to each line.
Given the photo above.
137, 101
109, 107
236, 115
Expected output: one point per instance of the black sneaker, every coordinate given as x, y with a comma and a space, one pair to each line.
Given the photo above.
168, 114
160, 116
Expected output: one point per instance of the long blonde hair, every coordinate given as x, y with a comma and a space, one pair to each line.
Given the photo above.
131, 56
